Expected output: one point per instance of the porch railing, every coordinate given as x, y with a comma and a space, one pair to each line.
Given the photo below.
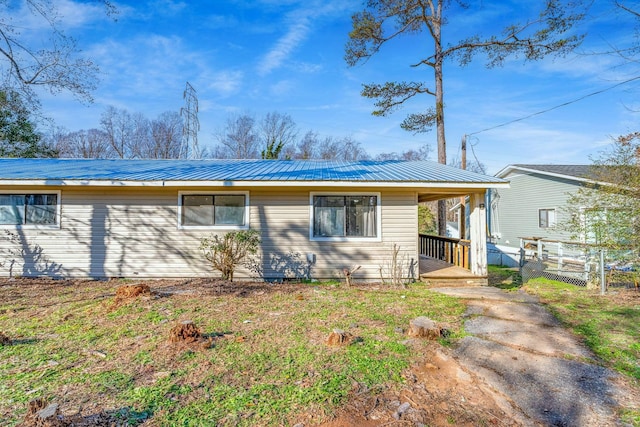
453, 251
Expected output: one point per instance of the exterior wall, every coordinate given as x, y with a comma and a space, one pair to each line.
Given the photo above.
514, 211
133, 232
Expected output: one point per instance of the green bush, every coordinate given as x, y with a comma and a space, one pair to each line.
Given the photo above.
226, 252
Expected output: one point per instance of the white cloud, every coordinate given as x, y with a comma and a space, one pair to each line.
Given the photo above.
152, 68
225, 82
295, 35
64, 14
299, 24
168, 7
281, 88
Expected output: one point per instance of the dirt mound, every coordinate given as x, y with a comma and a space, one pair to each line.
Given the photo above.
126, 293
187, 332
4, 340
132, 291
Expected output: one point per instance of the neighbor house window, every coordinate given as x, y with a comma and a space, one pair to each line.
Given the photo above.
213, 210
345, 216
546, 218
29, 209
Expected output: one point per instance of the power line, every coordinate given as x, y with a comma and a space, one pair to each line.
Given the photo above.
556, 107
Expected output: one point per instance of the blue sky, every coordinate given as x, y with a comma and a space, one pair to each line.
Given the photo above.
287, 56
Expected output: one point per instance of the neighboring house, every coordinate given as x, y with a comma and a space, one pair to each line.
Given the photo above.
532, 206
145, 218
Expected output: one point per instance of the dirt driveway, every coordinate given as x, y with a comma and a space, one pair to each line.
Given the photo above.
542, 375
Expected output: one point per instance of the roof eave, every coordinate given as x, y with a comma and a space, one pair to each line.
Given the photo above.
162, 183
505, 171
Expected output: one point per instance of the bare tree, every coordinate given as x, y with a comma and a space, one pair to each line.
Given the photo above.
87, 144
277, 131
304, 149
351, 150
125, 136
117, 124
422, 153
547, 33
306, 146
166, 137
329, 149
56, 67
239, 139
140, 137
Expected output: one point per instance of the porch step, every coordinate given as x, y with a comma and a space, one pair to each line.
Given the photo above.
439, 273
453, 282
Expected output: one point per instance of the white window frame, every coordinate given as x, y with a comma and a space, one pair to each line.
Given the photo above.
555, 218
378, 237
214, 227
55, 226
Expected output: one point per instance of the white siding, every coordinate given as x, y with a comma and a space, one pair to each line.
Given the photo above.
133, 232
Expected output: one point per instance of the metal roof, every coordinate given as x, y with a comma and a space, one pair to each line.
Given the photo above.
278, 172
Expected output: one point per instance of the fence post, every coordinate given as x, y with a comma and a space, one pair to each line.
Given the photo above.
539, 250
603, 283
560, 256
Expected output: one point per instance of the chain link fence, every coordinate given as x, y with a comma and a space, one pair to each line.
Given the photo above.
578, 264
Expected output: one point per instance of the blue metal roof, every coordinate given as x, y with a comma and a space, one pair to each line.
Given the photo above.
389, 171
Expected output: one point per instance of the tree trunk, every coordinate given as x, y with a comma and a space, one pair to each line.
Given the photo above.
442, 143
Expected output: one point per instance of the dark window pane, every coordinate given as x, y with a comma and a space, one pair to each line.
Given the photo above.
210, 210
328, 216
361, 216
339, 216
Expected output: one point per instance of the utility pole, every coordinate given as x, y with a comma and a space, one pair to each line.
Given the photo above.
462, 224
190, 124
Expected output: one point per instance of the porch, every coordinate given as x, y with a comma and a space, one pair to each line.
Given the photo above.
446, 262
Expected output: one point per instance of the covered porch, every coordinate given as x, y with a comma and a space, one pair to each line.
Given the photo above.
446, 261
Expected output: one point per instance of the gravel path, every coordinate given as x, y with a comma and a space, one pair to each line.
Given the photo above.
523, 352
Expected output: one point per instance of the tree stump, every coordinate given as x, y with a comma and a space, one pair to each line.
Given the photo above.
39, 414
423, 327
4, 340
339, 337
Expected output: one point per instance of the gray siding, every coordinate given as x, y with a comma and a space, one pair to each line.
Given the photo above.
133, 232
514, 211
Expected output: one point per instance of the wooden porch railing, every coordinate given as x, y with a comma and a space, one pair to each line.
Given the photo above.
453, 251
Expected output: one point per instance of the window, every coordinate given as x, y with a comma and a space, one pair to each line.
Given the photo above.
546, 218
213, 210
29, 209
345, 216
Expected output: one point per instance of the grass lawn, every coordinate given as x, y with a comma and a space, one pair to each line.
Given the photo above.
268, 363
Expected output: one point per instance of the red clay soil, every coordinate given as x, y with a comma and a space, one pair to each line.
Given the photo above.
188, 333
132, 291
437, 393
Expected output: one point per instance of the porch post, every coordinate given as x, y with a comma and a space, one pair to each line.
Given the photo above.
478, 234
